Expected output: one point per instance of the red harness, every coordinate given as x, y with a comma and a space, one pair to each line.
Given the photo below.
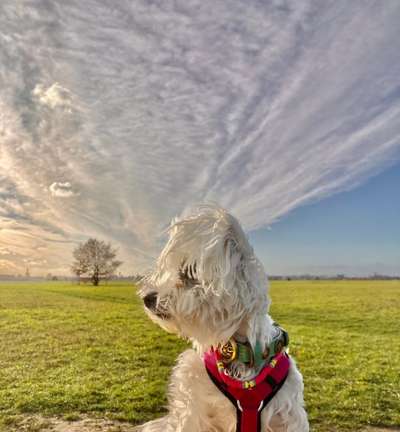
249, 397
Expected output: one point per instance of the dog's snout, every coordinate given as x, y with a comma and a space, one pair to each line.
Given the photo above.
150, 300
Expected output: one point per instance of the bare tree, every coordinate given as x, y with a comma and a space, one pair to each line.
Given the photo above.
95, 260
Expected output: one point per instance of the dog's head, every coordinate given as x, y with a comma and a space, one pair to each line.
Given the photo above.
208, 283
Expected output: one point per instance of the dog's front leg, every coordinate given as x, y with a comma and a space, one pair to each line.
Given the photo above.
285, 412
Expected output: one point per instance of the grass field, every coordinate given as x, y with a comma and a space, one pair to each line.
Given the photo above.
68, 350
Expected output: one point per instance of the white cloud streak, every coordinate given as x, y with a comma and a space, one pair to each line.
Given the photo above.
63, 190
53, 96
147, 107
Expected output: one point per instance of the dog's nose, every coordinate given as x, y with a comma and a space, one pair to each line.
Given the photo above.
150, 300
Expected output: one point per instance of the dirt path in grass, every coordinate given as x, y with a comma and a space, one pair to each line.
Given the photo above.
86, 424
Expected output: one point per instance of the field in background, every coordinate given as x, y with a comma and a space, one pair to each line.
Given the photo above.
68, 350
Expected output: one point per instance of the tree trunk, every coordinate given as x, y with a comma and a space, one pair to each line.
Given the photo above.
95, 278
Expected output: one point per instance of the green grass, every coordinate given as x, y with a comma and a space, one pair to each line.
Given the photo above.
68, 350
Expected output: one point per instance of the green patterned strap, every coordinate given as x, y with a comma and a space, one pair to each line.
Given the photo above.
245, 352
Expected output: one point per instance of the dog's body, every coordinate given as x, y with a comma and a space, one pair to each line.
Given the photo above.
209, 287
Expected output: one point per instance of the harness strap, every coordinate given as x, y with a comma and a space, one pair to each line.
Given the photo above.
223, 390
249, 402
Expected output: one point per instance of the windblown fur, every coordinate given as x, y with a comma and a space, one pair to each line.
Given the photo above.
208, 286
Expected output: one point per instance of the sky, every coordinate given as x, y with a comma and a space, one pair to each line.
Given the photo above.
355, 232
117, 116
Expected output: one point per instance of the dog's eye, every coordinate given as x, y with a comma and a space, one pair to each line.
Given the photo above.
187, 272
187, 275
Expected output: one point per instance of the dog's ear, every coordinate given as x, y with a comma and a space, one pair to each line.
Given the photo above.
233, 256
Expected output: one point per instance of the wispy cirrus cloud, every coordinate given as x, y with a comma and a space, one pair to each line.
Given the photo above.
133, 110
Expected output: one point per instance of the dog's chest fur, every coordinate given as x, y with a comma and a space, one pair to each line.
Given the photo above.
214, 411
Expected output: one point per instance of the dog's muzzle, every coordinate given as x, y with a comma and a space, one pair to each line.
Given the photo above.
151, 302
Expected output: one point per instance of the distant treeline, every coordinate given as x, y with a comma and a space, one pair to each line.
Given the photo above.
137, 277
375, 276
50, 277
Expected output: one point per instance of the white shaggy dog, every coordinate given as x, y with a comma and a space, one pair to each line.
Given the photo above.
209, 287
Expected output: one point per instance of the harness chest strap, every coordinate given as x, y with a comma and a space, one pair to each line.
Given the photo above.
249, 397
